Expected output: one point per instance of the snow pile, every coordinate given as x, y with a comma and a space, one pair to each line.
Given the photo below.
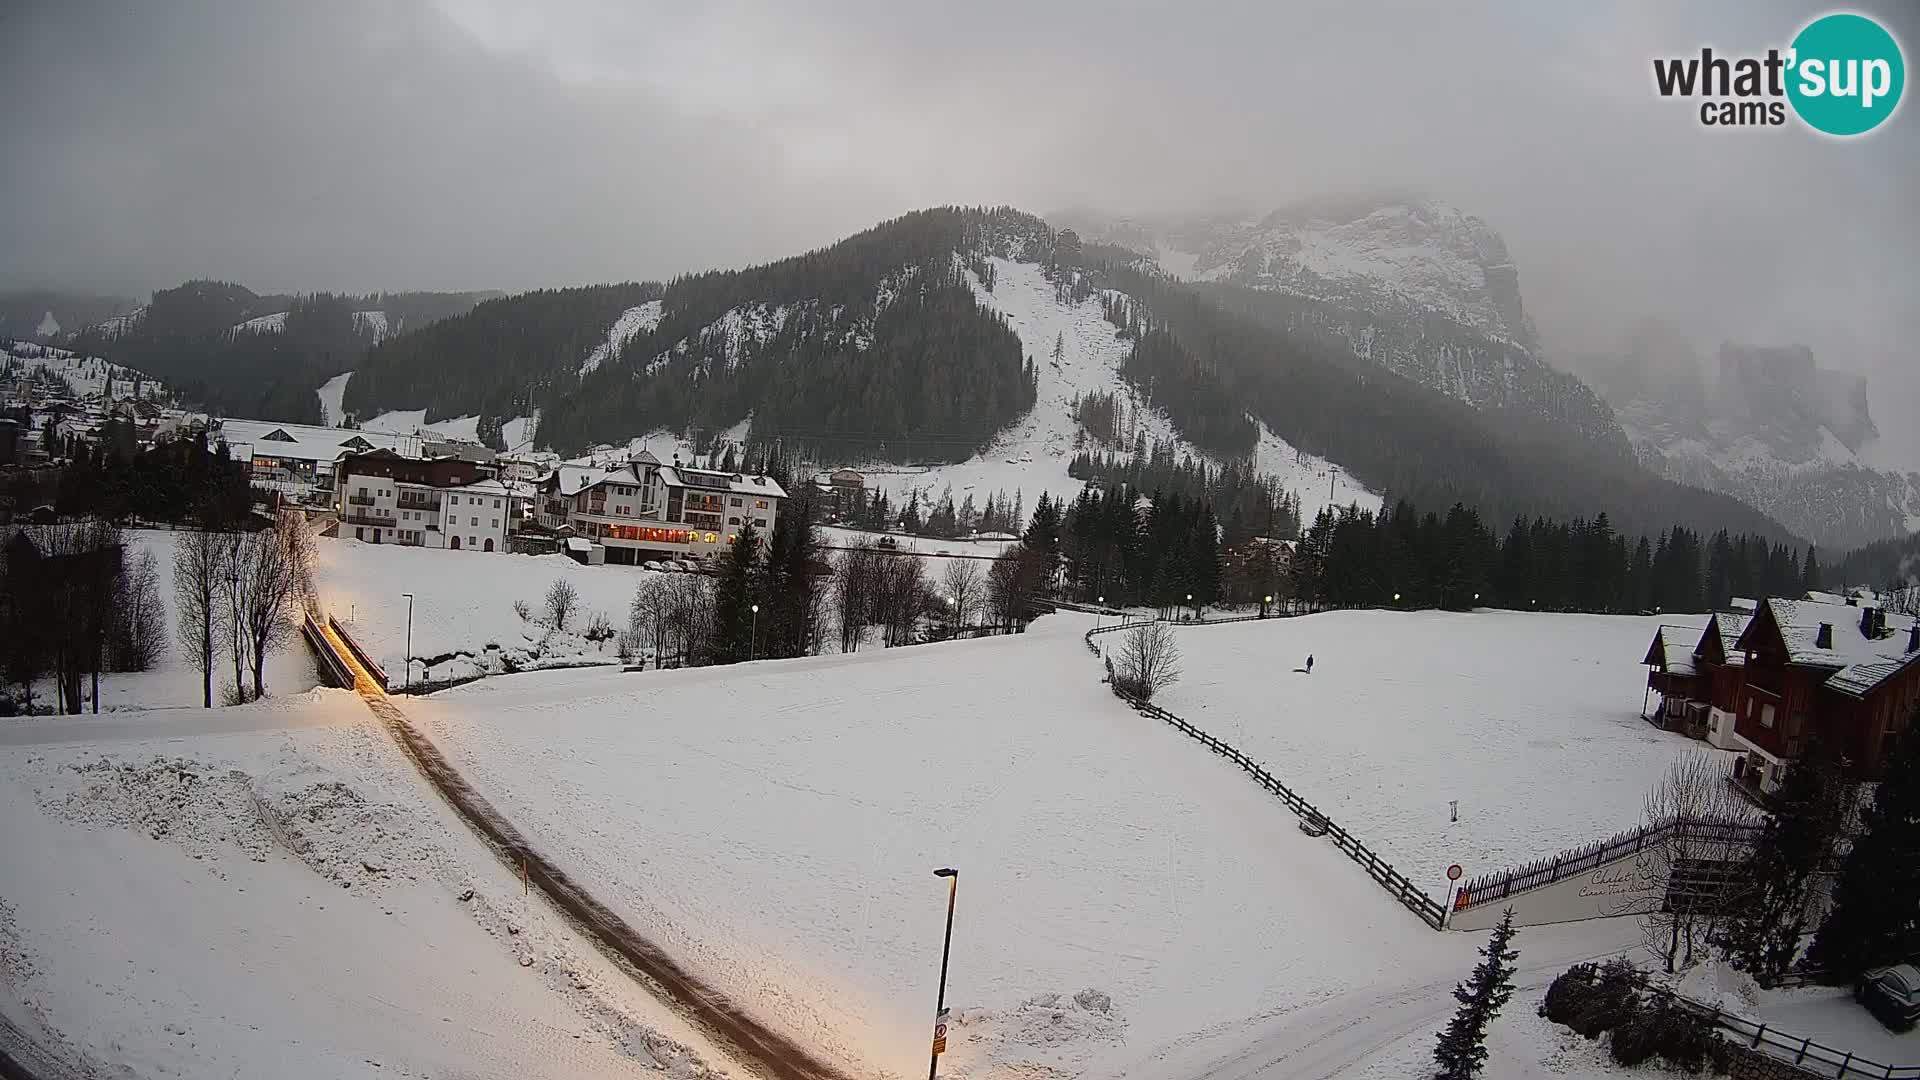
1530, 721
275, 323
634, 321
1714, 982
321, 913
1052, 1034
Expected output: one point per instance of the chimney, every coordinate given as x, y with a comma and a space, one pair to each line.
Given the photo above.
1824, 638
1866, 623
1913, 637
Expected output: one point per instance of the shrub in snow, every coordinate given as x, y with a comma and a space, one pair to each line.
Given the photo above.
1592, 999
521, 609
1662, 1027
599, 629
1149, 661
562, 601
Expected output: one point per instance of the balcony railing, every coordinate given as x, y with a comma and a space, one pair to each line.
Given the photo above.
419, 504
361, 517
360, 500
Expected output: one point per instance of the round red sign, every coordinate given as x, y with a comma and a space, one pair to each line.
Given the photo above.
1454, 872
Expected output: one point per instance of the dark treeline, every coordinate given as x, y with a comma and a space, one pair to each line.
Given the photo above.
177, 479
1158, 551
875, 346
500, 360
1246, 502
1893, 565
1403, 557
186, 338
1212, 360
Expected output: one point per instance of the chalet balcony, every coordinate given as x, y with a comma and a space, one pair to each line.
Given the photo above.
360, 500
366, 517
418, 503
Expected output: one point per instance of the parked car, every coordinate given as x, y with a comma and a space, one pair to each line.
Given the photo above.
1892, 994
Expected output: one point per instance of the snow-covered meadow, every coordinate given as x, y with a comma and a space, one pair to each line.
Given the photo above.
1128, 903
1530, 721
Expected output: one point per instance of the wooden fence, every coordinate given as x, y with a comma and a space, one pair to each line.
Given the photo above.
1498, 886
1429, 910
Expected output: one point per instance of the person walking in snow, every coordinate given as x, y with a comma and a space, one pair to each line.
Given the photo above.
1309, 663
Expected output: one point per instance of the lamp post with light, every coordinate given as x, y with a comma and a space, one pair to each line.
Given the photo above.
408, 680
946, 949
753, 637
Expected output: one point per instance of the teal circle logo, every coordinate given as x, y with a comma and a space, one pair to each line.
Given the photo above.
1846, 74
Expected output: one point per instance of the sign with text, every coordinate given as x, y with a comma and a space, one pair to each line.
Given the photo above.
940, 1032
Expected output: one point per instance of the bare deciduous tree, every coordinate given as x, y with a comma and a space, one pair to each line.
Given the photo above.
1149, 661
562, 601
277, 587
961, 583
1697, 801
599, 629
1011, 582
140, 618
197, 571
855, 580
900, 598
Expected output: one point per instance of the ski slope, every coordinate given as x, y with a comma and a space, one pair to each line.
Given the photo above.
1032, 455
286, 898
1128, 905
332, 393
88, 375
1531, 721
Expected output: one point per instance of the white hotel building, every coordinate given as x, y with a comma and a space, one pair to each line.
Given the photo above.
643, 510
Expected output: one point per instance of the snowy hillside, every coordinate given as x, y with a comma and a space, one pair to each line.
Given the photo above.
1032, 455
640, 319
275, 323
1772, 428
1419, 287
371, 323
88, 375
330, 393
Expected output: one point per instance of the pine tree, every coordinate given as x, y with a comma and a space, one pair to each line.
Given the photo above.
734, 595
1764, 933
1810, 572
1463, 1046
1875, 917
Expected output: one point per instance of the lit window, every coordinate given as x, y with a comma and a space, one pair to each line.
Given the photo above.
759, 504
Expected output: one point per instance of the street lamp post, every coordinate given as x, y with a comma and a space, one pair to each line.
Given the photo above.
753, 639
946, 949
1264, 601
408, 680
1100, 616
1196, 614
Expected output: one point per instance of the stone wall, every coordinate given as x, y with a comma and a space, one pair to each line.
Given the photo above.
1750, 1064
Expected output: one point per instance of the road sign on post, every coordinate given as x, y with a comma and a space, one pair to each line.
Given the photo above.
1454, 872
940, 1033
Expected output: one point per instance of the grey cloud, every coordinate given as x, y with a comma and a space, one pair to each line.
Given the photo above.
485, 143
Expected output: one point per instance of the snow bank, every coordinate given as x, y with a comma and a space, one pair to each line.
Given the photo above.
1531, 721
293, 905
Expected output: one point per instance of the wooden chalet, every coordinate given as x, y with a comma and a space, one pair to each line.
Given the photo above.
1846, 672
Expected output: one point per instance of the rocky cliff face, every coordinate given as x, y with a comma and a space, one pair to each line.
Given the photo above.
1416, 286
1772, 429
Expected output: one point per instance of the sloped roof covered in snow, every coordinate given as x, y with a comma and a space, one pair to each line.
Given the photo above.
765, 487
305, 442
1672, 649
1728, 628
1859, 662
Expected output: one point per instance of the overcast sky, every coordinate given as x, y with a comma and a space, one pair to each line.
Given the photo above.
452, 144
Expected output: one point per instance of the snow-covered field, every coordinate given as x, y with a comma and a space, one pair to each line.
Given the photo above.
289, 901
1531, 721
1128, 904
463, 602
174, 682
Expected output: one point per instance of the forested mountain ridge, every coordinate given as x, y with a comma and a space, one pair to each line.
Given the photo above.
875, 346
240, 353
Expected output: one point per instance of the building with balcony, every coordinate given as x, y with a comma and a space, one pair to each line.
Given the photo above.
382, 497
643, 511
298, 459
